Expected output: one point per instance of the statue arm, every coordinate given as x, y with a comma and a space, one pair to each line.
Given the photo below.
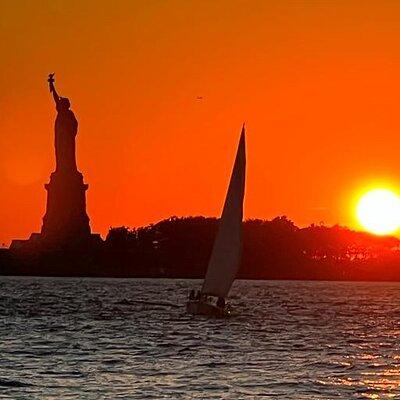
56, 97
52, 88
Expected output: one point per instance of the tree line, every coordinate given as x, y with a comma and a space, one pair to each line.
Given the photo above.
181, 247
275, 249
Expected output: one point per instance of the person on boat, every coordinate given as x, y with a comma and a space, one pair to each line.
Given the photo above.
191, 295
221, 302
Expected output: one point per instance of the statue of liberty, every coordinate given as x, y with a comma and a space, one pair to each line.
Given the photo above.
66, 128
66, 219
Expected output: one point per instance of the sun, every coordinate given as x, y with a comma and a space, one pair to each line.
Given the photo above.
378, 211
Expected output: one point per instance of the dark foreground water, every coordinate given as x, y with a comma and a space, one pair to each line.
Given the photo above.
131, 339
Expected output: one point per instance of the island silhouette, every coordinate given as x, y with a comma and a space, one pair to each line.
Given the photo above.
181, 247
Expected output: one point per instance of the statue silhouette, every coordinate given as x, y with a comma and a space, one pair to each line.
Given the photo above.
66, 128
65, 222
66, 218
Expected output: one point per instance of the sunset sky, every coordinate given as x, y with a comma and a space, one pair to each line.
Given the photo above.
317, 83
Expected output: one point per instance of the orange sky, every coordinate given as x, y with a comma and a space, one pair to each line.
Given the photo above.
317, 82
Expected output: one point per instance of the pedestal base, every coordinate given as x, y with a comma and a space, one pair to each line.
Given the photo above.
66, 218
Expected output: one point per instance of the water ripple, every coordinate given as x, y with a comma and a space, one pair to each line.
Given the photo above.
87, 338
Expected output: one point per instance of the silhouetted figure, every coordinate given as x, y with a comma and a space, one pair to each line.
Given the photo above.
66, 128
191, 295
198, 295
221, 302
66, 219
65, 223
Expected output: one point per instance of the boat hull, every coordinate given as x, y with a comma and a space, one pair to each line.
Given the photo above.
202, 308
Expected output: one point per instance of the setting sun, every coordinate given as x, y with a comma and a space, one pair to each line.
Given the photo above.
378, 211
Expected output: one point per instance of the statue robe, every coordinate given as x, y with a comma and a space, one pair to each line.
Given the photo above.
66, 128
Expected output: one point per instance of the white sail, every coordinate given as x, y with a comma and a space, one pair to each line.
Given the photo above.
226, 255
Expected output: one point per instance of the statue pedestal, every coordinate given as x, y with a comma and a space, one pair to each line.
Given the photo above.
66, 224
66, 219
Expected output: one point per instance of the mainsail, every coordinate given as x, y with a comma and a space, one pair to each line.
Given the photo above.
225, 257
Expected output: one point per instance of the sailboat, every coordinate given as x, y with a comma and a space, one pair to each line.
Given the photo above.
227, 250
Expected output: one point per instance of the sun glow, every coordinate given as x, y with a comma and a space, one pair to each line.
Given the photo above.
378, 211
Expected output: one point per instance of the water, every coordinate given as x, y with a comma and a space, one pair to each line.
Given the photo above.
91, 339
